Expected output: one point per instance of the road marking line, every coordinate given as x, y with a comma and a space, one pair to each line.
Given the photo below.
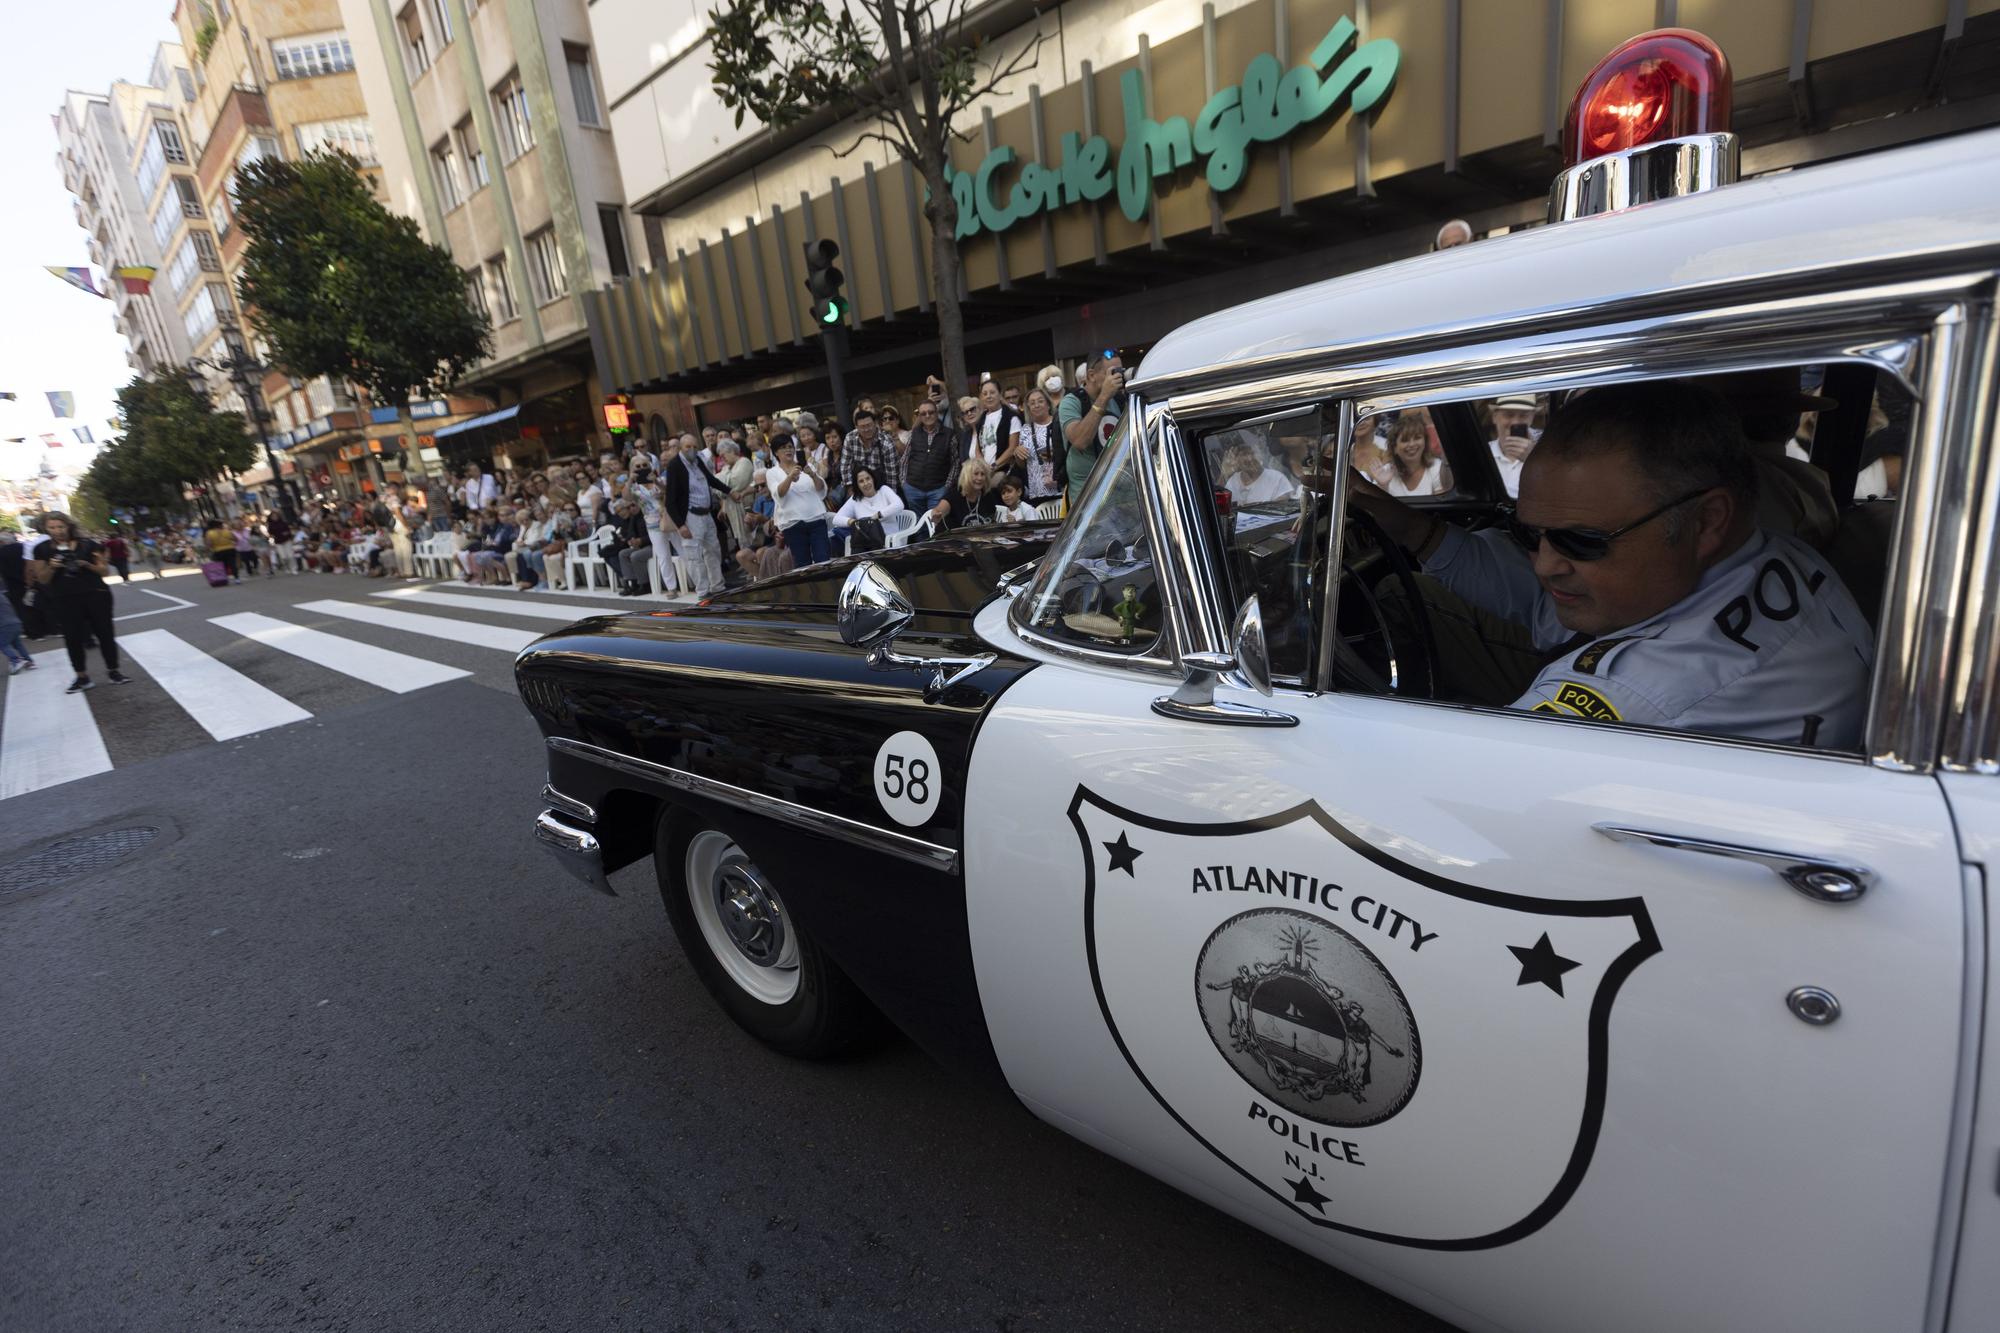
47, 737
226, 702
178, 604
364, 661
563, 611
503, 637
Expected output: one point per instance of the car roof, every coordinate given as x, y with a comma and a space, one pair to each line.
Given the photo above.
1933, 199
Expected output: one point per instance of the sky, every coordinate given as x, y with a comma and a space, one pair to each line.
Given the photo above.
53, 336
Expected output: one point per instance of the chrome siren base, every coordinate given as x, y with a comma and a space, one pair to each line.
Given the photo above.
1664, 170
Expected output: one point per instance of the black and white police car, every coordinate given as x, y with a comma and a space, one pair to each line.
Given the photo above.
1179, 822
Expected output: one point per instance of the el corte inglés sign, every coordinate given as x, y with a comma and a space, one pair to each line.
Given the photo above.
1270, 103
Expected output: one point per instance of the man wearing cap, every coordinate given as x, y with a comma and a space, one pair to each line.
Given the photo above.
1647, 589
1513, 437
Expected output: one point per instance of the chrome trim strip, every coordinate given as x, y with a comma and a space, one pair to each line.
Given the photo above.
569, 804
578, 852
1972, 737
1821, 880
1181, 546
1665, 170
929, 854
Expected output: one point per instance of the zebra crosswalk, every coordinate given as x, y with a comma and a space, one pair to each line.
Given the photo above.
244, 673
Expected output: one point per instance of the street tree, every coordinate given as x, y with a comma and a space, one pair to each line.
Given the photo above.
909, 66
175, 441
340, 286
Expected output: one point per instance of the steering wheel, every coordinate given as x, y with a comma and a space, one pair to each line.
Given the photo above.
1374, 648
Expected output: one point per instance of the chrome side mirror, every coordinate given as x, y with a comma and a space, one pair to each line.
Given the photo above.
1249, 659
874, 610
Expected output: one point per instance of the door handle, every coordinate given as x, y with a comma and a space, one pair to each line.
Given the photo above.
1813, 877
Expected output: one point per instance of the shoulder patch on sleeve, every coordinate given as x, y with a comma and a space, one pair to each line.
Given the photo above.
1588, 660
1585, 702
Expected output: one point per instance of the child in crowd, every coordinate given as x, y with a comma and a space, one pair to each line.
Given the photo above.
1013, 508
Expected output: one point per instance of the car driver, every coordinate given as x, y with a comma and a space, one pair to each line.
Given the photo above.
1634, 555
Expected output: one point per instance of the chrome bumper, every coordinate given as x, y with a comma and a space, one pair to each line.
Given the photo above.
576, 849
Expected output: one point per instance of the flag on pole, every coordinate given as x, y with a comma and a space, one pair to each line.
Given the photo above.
82, 434
76, 277
51, 441
137, 279
62, 403
7, 394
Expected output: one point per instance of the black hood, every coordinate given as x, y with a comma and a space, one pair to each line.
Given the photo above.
949, 576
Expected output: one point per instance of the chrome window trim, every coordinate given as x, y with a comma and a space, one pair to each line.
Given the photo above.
1915, 330
1135, 419
930, 855
1971, 742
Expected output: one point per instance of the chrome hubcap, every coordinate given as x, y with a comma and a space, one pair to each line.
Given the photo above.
750, 912
742, 919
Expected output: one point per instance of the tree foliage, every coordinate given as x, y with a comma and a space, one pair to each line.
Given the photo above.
340, 286
174, 439
909, 66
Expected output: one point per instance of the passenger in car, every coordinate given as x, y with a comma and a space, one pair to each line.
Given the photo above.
1636, 558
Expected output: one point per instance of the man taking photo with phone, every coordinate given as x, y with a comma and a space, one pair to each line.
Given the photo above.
1513, 438
1088, 418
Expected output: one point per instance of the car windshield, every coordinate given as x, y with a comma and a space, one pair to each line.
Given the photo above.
1097, 587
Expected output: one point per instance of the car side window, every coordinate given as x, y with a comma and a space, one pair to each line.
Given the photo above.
1671, 554
1098, 588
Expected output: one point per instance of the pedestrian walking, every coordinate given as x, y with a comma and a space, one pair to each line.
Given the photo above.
12, 646
246, 555
14, 565
120, 555
69, 572
221, 544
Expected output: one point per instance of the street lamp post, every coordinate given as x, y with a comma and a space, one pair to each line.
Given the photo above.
240, 368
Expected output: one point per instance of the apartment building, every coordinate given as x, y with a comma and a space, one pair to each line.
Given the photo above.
97, 155
495, 136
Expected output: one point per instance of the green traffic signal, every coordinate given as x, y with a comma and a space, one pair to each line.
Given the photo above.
830, 313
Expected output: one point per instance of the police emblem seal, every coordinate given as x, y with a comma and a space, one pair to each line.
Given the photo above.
1309, 1017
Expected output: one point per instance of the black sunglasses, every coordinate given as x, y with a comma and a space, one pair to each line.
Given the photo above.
1584, 544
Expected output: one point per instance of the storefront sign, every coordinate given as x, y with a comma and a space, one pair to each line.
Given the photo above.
1270, 103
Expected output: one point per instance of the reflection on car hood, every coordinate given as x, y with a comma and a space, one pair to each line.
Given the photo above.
952, 576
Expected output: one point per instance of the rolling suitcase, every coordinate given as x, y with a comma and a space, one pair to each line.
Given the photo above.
217, 575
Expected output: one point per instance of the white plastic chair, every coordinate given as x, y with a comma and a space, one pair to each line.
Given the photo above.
919, 529
1049, 509
897, 527
587, 555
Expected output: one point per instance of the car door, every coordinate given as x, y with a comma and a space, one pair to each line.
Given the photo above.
1512, 1014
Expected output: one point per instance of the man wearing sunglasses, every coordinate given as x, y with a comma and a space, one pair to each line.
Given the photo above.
1634, 569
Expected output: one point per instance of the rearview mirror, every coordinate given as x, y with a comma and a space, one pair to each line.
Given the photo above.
873, 608
1249, 657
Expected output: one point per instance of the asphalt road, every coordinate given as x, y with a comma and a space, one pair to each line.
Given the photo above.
339, 1050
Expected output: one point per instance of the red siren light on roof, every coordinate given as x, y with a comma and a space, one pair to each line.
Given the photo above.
1665, 84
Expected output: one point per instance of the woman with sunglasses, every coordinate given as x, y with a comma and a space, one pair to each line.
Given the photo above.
1635, 567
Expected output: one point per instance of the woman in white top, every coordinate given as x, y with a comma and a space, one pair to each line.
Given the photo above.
867, 501
1039, 434
799, 495
1251, 481
996, 435
651, 498
1410, 468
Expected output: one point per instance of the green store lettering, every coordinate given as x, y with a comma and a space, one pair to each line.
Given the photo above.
1269, 104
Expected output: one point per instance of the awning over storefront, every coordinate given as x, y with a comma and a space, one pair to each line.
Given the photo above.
473, 423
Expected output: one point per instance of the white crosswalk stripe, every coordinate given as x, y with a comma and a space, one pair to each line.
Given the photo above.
364, 661
47, 737
566, 612
457, 631
226, 702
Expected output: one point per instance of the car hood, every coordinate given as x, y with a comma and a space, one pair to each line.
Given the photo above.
948, 576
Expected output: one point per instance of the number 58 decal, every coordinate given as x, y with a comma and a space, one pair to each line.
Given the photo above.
906, 778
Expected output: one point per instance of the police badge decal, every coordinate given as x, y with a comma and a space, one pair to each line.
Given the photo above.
1301, 1065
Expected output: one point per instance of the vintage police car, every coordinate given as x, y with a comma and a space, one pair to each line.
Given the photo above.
1538, 1019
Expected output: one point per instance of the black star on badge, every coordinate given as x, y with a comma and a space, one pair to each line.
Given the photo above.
1542, 963
1123, 854
1303, 1192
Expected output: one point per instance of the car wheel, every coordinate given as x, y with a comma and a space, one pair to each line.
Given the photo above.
765, 971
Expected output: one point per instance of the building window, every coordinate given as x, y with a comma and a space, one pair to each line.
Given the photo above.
187, 85
475, 292
190, 198
181, 270
218, 295
416, 48
502, 291
444, 170
153, 164
441, 22
200, 316
205, 253
545, 266
170, 141
310, 54
470, 153
612, 219
581, 86
510, 113
351, 135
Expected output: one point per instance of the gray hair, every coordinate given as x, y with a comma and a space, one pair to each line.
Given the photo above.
1683, 437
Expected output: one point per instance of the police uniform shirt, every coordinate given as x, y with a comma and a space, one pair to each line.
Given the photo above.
1769, 637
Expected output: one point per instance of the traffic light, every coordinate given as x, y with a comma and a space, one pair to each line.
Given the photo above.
824, 282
